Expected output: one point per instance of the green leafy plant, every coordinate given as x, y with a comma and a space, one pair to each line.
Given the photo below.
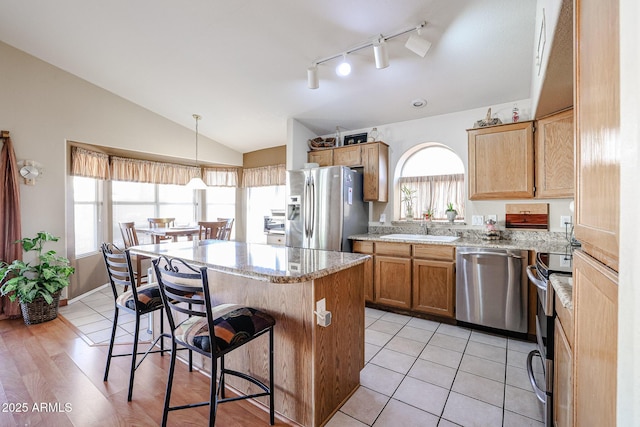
450, 208
407, 197
48, 274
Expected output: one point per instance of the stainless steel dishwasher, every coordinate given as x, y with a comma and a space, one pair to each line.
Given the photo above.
491, 287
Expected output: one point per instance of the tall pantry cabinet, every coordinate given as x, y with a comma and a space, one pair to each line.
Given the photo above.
595, 293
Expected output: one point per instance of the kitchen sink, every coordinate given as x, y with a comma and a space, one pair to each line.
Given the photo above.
420, 237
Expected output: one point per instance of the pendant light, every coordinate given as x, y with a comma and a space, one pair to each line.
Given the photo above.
197, 183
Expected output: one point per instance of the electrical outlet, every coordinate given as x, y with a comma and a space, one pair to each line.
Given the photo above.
321, 306
564, 220
493, 217
477, 220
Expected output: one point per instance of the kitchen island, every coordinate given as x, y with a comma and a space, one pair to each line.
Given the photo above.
316, 368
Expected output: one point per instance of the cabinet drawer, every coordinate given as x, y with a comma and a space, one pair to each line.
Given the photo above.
565, 316
275, 239
393, 249
434, 252
347, 156
363, 247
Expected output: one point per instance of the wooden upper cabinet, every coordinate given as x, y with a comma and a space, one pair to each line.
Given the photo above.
375, 158
501, 162
597, 115
347, 156
321, 157
554, 156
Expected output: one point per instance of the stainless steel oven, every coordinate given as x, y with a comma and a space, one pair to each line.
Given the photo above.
546, 265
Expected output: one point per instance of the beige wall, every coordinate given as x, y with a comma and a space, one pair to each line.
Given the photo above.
43, 107
265, 157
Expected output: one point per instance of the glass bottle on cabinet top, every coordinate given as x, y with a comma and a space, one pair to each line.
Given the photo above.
374, 135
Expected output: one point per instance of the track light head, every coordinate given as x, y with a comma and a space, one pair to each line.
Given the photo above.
312, 77
418, 45
380, 53
344, 68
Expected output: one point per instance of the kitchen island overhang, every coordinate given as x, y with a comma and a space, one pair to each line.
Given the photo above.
316, 368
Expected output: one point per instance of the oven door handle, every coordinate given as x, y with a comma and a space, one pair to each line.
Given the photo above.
532, 273
540, 394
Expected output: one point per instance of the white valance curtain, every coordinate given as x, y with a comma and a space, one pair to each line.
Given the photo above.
124, 169
263, 176
94, 164
435, 192
91, 164
221, 177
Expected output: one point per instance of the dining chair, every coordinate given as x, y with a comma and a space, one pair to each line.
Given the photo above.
212, 230
161, 223
227, 228
212, 331
130, 238
138, 301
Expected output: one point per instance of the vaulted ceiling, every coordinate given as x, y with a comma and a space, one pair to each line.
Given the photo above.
242, 64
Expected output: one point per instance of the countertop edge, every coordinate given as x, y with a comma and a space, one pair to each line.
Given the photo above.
563, 286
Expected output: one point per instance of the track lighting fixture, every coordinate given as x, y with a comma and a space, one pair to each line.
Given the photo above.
415, 43
380, 53
344, 68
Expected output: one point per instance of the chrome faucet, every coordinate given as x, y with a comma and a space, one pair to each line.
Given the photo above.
424, 227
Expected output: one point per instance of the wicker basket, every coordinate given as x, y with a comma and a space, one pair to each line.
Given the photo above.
39, 311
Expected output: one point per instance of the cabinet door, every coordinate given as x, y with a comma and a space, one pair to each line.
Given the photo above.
501, 162
562, 379
554, 156
321, 157
347, 156
434, 287
392, 278
362, 247
375, 159
597, 111
595, 301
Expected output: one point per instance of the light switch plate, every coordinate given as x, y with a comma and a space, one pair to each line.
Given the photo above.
477, 220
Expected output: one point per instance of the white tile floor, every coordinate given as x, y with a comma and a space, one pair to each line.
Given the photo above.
417, 372
424, 373
93, 316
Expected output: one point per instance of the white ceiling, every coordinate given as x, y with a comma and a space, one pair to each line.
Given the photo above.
242, 64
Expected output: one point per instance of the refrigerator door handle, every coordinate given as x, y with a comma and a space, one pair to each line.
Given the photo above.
306, 207
313, 208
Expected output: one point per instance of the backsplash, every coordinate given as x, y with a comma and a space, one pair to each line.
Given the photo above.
464, 231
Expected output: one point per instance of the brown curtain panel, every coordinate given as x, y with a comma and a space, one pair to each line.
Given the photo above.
10, 224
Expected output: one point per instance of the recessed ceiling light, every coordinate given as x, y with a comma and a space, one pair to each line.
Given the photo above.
418, 103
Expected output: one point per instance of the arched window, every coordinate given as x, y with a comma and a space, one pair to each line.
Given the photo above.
432, 177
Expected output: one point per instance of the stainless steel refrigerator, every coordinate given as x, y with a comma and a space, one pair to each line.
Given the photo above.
325, 207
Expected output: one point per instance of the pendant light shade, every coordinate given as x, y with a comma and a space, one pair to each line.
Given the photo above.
312, 77
196, 183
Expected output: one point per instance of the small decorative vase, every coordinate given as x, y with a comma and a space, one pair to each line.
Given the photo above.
409, 213
451, 215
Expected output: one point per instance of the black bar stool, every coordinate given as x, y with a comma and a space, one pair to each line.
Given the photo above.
210, 331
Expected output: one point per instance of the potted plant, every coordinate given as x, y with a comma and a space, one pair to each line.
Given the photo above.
451, 212
37, 284
407, 198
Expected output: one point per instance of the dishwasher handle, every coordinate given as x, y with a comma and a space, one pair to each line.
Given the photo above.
500, 254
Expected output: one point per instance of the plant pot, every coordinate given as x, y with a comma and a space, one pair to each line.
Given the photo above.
451, 215
409, 213
39, 311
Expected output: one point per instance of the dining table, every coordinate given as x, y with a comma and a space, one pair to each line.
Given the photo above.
174, 232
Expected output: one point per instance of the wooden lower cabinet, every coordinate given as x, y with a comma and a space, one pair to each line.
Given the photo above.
392, 279
434, 287
562, 379
595, 301
361, 247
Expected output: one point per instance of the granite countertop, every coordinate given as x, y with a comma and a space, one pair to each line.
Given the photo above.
270, 263
563, 285
531, 245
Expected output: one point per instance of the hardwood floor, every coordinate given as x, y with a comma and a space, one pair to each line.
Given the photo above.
49, 376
